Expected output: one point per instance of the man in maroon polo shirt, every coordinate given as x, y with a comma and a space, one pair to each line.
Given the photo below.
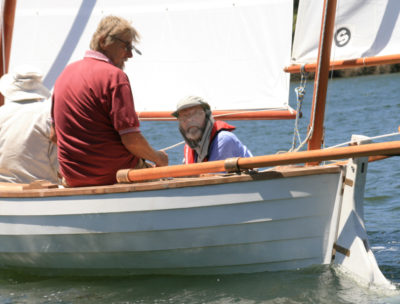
94, 114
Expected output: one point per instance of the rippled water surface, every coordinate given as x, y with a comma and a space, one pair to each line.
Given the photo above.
368, 105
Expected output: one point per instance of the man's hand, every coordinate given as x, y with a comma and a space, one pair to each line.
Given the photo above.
136, 144
162, 159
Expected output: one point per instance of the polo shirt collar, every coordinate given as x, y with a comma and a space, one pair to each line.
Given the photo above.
97, 55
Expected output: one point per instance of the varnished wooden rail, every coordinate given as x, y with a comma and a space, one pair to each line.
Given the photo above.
386, 148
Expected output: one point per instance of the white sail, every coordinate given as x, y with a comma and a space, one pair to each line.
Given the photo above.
363, 28
230, 52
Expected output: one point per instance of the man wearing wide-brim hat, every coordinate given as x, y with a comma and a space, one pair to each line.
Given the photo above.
206, 139
27, 152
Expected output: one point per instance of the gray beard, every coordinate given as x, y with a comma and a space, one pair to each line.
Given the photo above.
194, 134
201, 146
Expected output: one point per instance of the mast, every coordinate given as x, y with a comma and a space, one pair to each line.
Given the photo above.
322, 75
7, 26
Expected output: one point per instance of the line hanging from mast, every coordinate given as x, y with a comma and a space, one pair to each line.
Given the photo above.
300, 94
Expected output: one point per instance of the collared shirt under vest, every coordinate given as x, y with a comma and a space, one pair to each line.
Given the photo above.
236, 148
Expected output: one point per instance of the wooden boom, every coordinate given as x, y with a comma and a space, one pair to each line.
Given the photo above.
226, 115
348, 64
237, 164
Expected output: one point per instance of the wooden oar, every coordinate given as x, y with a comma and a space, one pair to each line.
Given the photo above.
236, 164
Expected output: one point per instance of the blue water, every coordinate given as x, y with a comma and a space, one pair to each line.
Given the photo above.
368, 105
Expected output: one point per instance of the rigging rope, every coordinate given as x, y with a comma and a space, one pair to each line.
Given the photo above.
173, 146
300, 93
370, 138
316, 85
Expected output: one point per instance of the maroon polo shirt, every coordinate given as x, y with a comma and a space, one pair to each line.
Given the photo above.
92, 107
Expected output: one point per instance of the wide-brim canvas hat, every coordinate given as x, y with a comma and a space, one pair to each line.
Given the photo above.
188, 102
25, 83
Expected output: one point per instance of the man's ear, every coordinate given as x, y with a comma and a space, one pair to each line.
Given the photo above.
102, 42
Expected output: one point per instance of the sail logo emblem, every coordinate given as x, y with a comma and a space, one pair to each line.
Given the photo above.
342, 36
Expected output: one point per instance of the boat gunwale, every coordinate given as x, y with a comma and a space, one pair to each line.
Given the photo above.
22, 191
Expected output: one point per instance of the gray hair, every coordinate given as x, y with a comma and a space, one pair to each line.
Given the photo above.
111, 26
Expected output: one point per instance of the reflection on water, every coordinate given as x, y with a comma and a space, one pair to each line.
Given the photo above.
319, 284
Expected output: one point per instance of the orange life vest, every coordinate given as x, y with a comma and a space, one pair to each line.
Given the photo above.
190, 154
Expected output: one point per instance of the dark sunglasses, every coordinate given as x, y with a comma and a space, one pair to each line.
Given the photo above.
129, 47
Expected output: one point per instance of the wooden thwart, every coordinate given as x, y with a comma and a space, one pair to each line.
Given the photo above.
387, 148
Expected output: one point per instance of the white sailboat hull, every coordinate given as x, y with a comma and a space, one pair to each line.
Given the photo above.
272, 224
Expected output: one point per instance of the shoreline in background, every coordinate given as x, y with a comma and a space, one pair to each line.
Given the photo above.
368, 70
362, 71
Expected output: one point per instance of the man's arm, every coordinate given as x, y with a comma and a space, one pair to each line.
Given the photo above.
225, 145
53, 135
135, 143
